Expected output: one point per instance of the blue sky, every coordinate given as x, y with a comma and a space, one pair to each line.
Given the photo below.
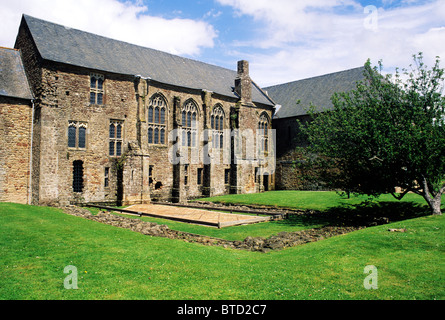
284, 40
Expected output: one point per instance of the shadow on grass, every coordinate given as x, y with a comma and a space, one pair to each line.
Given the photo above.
361, 215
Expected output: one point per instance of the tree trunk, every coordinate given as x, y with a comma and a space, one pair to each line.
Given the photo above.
434, 201
435, 205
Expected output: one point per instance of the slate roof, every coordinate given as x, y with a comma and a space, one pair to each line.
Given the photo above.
316, 90
13, 81
74, 47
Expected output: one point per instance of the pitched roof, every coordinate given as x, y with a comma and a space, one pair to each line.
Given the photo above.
74, 47
13, 81
316, 91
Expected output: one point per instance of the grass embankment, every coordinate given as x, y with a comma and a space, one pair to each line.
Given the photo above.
311, 200
37, 243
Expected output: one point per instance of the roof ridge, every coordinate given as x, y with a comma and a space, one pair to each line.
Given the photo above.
315, 77
71, 46
126, 42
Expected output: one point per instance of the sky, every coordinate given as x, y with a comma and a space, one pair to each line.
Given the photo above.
284, 40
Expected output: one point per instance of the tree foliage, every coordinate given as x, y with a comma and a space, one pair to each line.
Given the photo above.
389, 132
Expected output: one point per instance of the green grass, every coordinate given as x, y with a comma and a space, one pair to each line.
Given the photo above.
314, 200
265, 229
37, 243
330, 203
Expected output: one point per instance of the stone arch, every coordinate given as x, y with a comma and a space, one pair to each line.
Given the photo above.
157, 119
190, 116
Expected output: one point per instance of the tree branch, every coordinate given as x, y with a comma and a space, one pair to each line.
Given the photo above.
400, 197
426, 190
442, 190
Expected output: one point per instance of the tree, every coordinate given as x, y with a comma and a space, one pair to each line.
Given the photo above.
389, 132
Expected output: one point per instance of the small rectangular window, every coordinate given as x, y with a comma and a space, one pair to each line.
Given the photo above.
150, 175
227, 176
78, 176
200, 170
107, 177
186, 174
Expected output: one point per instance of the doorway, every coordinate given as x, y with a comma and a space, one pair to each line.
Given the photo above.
266, 181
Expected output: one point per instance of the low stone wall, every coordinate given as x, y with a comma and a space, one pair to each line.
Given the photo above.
277, 242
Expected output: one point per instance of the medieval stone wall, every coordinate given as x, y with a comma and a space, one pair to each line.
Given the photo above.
67, 103
289, 174
64, 173
15, 130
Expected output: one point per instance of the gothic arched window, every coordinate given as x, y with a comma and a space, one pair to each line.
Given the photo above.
189, 124
157, 123
263, 134
217, 124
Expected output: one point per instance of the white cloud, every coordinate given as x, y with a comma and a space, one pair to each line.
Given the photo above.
128, 21
288, 21
309, 38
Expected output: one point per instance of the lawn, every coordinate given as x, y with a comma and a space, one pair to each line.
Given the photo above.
37, 243
313, 200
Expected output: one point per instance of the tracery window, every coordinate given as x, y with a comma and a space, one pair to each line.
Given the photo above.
77, 132
189, 124
157, 123
217, 124
263, 134
116, 138
96, 89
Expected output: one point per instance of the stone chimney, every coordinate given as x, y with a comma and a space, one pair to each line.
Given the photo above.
243, 83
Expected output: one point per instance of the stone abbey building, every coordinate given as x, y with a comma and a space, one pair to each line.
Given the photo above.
115, 122
84, 118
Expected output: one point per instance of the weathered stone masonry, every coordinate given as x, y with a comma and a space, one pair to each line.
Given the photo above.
109, 137
15, 128
83, 89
